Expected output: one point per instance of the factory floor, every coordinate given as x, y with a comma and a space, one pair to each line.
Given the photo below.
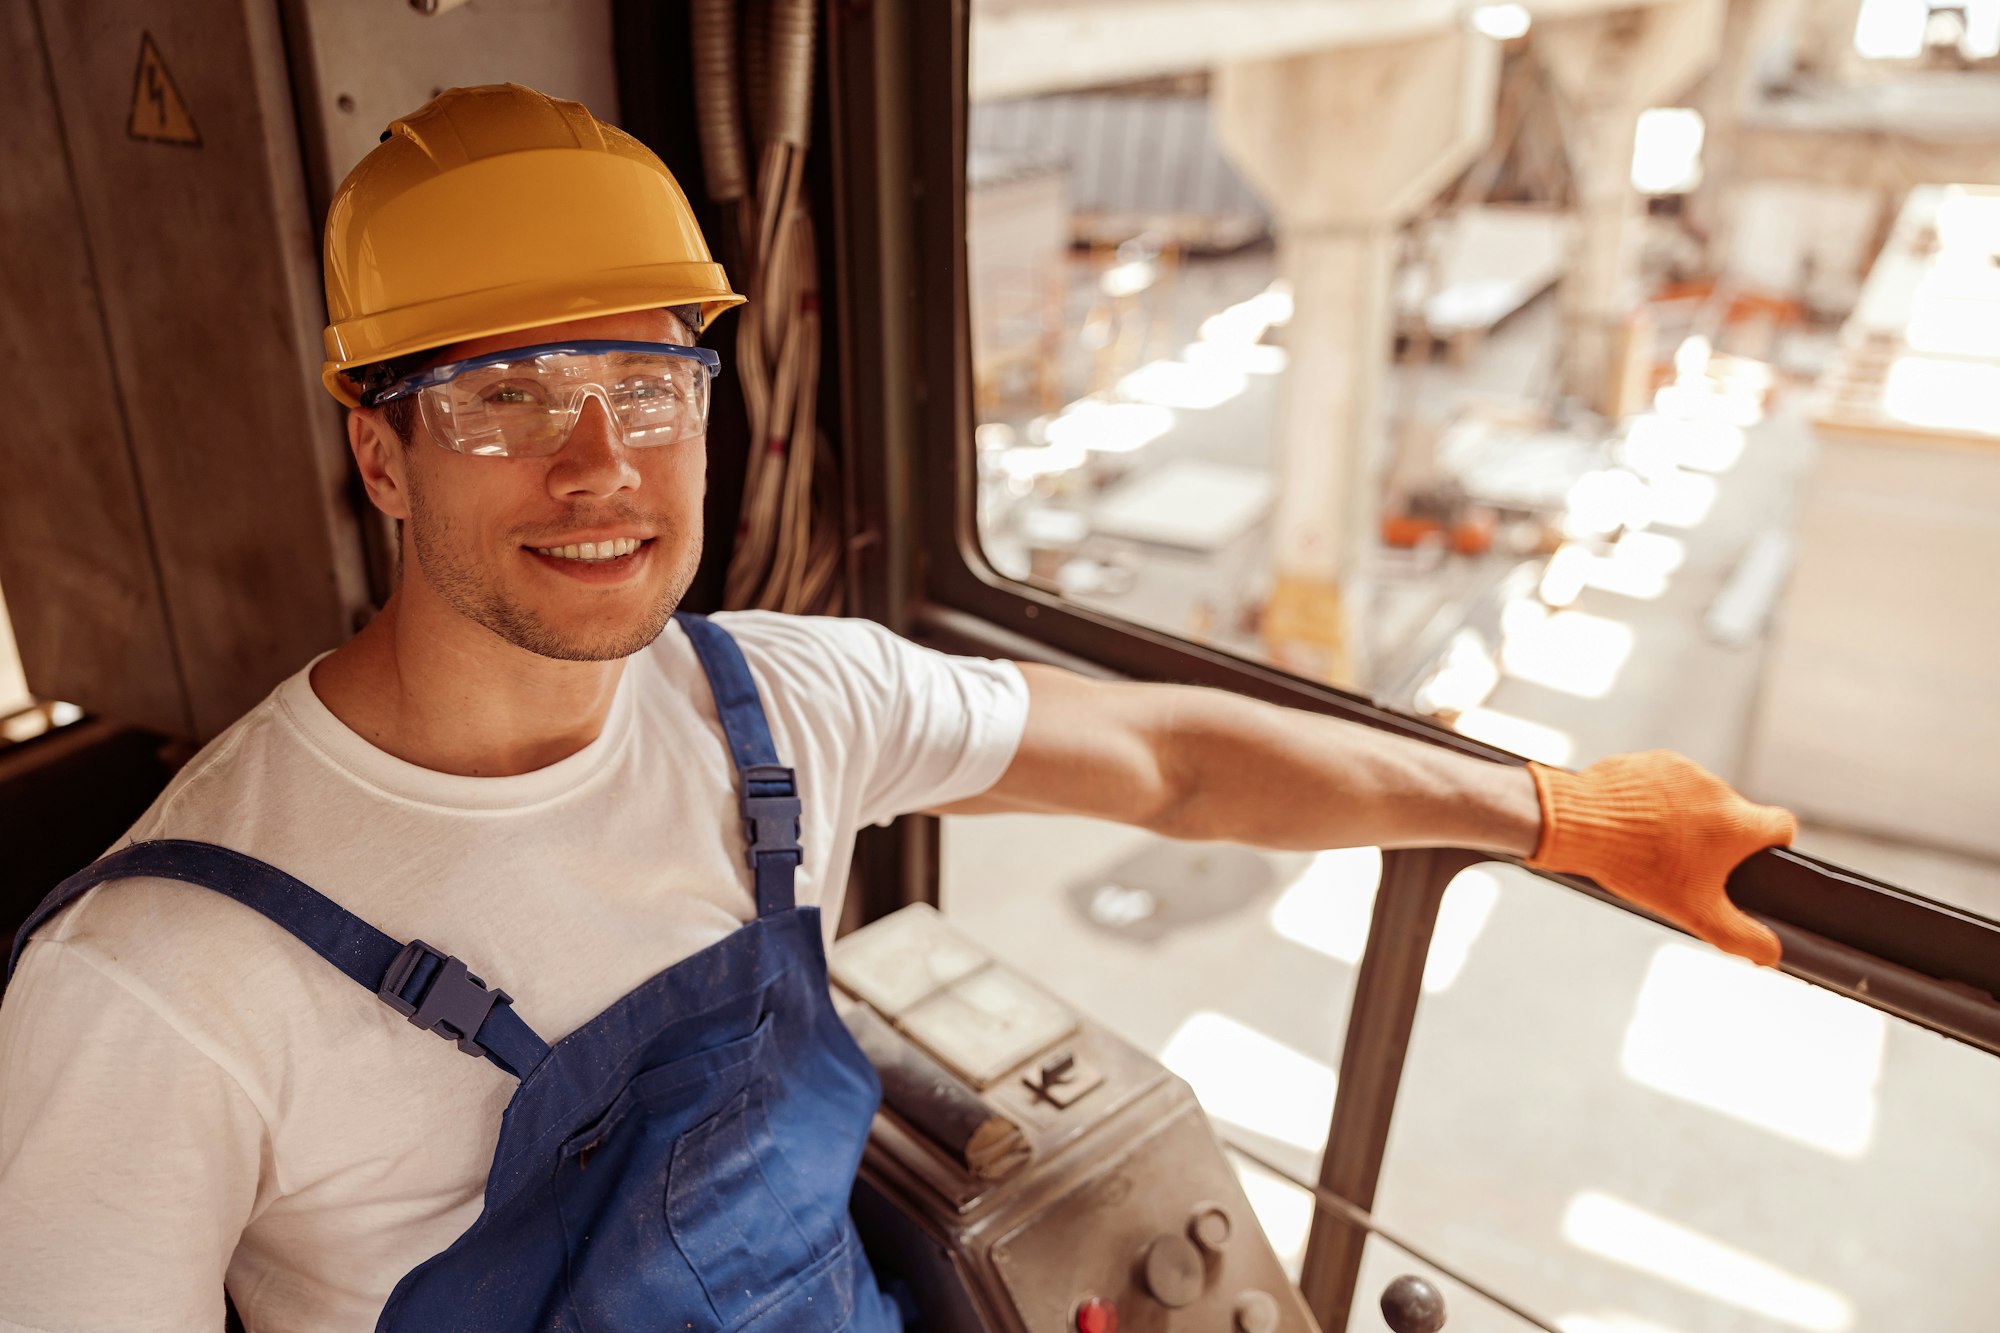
1614, 1128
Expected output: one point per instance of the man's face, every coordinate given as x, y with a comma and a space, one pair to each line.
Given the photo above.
481, 530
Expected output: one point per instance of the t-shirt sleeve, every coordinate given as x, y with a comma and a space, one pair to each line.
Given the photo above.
922, 728
129, 1159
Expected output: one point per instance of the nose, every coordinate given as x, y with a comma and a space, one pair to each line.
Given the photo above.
594, 461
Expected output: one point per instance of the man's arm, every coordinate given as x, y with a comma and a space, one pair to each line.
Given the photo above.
1654, 828
1212, 766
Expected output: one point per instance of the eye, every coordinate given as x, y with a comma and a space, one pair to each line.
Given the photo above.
513, 393
650, 390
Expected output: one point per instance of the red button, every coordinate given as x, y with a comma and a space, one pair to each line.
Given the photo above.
1096, 1315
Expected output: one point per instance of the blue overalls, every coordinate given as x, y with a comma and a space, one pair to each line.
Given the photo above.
680, 1162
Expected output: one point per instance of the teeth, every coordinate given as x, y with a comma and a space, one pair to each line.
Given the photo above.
606, 550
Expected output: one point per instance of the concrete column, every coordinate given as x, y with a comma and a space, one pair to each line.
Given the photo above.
1338, 340
1754, 41
1345, 145
1331, 447
1824, 38
1606, 69
1601, 286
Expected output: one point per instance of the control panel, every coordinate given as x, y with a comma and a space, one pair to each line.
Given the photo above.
1030, 1172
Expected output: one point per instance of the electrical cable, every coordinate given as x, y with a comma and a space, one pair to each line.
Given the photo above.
1358, 1216
791, 73
718, 110
757, 67
753, 62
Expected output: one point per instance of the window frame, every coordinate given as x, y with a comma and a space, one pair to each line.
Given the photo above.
898, 116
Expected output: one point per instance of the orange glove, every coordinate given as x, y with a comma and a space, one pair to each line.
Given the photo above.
1661, 831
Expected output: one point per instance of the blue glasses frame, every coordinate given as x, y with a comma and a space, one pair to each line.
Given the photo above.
416, 381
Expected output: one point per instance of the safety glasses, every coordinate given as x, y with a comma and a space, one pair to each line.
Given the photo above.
524, 401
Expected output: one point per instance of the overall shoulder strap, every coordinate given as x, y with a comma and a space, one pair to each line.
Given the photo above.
770, 791
430, 988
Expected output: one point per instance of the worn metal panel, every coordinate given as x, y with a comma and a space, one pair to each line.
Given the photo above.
75, 554
207, 260
362, 63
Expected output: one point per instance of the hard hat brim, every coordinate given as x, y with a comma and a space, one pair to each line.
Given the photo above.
462, 318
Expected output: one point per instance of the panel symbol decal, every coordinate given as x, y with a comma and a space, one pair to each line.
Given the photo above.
158, 113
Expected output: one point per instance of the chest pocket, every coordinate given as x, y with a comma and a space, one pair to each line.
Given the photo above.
735, 1231
669, 1216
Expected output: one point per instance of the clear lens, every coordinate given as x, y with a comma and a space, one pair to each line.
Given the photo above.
527, 408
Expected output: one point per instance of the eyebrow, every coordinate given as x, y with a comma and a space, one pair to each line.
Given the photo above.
623, 359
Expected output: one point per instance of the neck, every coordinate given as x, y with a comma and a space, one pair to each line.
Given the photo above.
434, 689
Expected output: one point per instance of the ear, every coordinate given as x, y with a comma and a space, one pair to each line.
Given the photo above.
382, 459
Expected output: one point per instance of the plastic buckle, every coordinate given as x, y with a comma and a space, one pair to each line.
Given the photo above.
454, 1004
771, 822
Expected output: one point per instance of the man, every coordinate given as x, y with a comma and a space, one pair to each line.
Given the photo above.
526, 760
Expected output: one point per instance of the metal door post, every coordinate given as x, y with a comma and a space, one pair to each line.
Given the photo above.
1371, 1066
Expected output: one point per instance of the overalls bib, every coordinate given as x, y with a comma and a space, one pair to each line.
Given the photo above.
680, 1162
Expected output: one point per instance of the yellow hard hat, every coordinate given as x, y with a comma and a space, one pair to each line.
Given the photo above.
499, 208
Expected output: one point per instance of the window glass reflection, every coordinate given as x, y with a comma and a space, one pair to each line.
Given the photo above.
1437, 360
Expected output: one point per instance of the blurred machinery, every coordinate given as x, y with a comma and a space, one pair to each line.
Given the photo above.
1894, 524
1029, 1171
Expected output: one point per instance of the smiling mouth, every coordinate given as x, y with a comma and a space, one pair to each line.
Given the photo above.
596, 552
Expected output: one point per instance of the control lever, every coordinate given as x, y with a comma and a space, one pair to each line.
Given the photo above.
935, 1102
1412, 1305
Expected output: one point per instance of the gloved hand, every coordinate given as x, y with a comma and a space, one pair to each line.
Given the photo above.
1661, 831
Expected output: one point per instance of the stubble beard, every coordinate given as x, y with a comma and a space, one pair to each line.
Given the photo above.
469, 586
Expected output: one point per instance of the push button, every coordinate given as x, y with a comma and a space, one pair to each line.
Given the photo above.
1096, 1315
1256, 1312
1173, 1271
1210, 1228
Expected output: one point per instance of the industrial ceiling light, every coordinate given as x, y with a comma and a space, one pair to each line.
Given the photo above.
1502, 23
1666, 150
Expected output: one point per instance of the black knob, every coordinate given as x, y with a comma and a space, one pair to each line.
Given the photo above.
1412, 1305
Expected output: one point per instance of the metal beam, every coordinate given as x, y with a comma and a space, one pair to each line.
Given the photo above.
1384, 1011
1027, 47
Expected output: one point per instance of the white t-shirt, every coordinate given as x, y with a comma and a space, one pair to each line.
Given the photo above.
186, 1090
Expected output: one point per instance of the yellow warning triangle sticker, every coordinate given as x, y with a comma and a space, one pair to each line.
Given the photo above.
158, 113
